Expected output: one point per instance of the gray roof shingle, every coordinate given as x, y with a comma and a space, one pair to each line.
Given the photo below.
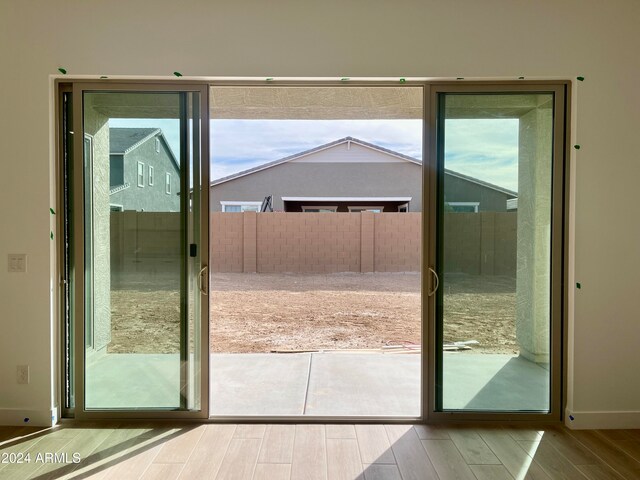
122, 139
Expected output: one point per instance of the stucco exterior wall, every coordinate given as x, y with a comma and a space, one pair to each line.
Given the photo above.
98, 277
322, 180
150, 198
460, 190
534, 234
317, 179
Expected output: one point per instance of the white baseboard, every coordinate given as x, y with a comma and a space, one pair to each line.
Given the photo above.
20, 417
602, 420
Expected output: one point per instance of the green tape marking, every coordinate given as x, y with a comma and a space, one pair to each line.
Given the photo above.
403, 80
51, 235
581, 79
62, 70
53, 212
270, 79
577, 147
103, 77
520, 78
460, 78
578, 285
177, 74
345, 79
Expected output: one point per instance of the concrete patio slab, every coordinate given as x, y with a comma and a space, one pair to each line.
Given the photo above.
133, 381
494, 382
364, 385
258, 384
319, 384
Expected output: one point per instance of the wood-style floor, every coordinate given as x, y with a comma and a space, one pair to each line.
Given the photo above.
309, 452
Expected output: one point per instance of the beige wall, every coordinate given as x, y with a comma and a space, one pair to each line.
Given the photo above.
480, 243
333, 38
315, 242
477, 243
152, 236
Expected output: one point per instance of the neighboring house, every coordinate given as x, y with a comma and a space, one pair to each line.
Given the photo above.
144, 173
349, 175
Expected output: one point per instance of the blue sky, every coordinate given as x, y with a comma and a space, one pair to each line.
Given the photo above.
241, 144
484, 149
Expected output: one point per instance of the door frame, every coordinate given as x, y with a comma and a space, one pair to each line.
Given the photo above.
76, 184
559, 246
429, 193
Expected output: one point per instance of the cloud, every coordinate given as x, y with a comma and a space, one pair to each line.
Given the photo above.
486, 149
240, 144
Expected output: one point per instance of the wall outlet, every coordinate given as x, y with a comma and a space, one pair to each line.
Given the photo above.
22, 374
17, 262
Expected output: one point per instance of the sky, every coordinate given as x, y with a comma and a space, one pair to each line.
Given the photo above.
486, 149
240, 144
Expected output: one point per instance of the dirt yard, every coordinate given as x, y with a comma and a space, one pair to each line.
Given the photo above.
267, 312
285, 312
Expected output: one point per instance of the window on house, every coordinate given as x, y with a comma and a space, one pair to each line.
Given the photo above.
462, 207
167, 183
140, 174
157, 144
361, 208
404, 208
316, 209
150, 176
231, 207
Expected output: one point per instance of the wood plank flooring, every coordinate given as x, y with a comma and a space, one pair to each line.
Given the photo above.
323, 452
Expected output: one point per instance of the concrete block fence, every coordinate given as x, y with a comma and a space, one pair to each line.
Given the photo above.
279, 242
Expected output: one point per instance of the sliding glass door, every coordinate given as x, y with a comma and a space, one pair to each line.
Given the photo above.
141, 249
489, 283
498, 249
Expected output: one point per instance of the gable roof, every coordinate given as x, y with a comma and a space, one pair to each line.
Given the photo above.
296, 156
481, 182
372, 146
122, 140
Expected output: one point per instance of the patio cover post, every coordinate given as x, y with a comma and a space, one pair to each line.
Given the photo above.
534, 231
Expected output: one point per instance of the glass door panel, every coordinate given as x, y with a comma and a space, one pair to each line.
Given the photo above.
141, 181
494, 252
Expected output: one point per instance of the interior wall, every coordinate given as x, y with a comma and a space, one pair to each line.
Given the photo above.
334, 38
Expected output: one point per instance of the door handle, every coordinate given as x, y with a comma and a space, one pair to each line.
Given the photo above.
204, 286
437, 281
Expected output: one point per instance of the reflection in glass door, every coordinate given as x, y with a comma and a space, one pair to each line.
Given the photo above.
143, 279
496, 310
